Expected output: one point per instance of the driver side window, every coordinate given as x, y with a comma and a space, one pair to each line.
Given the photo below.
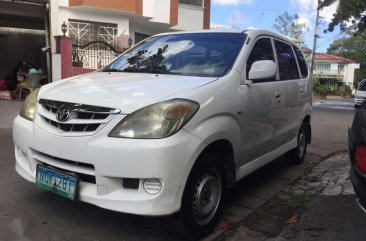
262, 50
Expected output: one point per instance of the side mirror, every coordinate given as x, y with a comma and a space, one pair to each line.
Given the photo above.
262, 69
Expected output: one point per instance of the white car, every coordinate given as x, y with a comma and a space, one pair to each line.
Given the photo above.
170, 124
360, 96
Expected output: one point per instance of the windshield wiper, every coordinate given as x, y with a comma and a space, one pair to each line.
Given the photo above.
112, 70
156, 71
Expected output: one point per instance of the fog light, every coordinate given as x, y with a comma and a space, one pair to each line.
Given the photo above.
152, 186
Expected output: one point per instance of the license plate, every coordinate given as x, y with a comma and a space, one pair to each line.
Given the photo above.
57, 182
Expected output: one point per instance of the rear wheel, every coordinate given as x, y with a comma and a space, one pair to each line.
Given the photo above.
202, 197
297, 155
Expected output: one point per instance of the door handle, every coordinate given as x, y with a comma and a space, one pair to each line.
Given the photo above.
301, 90
277, 94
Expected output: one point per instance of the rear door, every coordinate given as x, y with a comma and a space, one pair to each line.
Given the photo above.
293, 89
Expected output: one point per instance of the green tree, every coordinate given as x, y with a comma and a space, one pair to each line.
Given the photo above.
289, 25
348, 11
352, 47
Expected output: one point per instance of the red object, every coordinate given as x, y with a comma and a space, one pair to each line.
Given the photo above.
361, 158
331, 57
3, 85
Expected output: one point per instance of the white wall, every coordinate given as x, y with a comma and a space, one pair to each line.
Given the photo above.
147, 28
157, 10
349, 73
189, 17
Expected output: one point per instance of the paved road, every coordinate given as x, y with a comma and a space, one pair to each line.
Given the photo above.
61, 219
330, 122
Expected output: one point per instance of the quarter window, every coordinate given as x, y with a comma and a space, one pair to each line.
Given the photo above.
302, 62
262, 50
286, 61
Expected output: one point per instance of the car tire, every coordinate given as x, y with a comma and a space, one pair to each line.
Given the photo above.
202, 200
297, 155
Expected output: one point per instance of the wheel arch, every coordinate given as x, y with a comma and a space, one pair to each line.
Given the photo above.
225, 149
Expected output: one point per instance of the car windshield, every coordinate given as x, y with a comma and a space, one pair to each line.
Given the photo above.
362, 86
195, 54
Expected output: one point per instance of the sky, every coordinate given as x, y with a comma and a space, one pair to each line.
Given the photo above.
261, 14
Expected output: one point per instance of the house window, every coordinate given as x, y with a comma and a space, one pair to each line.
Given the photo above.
83, 32
340, 67
322, 67
197, 3
140, 36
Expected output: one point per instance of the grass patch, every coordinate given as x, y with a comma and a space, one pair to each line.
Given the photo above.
297, 201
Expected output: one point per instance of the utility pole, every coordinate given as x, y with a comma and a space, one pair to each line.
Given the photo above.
316, 36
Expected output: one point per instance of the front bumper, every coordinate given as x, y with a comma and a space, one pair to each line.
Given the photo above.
359, 101
109, 161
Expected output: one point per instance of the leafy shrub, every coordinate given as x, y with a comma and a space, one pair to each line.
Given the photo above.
320, 89
347, 91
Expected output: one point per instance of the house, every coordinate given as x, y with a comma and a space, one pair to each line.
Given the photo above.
332, 70
120, 24
28, 26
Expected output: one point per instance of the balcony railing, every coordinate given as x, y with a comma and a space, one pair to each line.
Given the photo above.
328, 73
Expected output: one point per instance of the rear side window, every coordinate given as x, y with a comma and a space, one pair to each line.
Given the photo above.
302, 62
286, 61
262, 50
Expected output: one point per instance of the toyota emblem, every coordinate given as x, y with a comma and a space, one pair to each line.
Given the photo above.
63, 114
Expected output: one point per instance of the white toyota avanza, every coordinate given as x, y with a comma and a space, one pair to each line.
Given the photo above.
170, 124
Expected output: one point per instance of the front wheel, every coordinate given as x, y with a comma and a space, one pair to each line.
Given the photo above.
203, 195
297, 155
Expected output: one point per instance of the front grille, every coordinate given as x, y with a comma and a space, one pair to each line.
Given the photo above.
80, 115
73, 127
80, 118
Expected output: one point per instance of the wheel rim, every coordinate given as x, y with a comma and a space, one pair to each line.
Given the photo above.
207, 195
302, 144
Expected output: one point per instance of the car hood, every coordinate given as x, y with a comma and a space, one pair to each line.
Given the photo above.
125, 91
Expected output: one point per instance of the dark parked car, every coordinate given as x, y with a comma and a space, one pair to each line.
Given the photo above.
357, 153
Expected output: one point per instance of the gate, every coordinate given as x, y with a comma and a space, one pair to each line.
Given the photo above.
93, 55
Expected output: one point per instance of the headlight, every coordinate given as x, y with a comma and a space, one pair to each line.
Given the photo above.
29, 106
156, 121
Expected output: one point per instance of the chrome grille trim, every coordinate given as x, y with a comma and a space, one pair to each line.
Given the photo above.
74, 107
83, 119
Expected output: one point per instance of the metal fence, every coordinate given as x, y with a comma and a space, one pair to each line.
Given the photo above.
93, 55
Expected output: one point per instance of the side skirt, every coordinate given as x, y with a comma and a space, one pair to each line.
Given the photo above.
250, 167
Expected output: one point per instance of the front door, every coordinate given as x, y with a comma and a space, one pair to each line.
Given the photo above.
261, 107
